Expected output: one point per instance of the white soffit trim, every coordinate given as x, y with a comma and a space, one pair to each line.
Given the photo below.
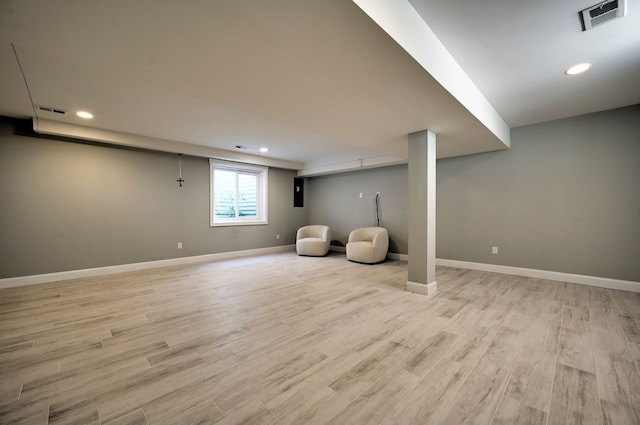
403, 23
311, 170
57, 128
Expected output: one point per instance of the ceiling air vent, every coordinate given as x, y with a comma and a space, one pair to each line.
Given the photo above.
601, 13
52, 110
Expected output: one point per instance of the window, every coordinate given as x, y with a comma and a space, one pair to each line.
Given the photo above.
238, 194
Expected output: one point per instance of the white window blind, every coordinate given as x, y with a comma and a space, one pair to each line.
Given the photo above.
238, 193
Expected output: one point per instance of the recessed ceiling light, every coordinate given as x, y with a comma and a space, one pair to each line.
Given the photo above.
84, 114
578, 69
264, 150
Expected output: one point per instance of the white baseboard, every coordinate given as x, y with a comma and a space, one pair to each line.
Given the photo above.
420, 288
399, 257
602, 282
99, 271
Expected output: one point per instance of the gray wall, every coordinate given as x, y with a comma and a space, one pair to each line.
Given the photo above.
565, 197
68, 206
334, 200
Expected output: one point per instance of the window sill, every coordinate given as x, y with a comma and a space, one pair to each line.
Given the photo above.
239, 223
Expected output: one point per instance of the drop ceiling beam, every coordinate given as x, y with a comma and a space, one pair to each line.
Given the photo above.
56, 128
403, 23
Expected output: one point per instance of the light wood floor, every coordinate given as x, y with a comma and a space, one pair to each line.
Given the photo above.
282, 339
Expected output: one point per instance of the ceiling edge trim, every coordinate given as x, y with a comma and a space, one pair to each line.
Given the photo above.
353, 165
56, 128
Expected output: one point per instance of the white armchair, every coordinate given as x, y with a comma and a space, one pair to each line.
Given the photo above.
313, 240
368, 245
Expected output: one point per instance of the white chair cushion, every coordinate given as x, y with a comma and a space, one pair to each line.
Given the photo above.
313, 240
368, 245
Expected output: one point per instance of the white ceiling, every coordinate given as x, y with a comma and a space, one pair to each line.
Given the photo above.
318, 82
516, 52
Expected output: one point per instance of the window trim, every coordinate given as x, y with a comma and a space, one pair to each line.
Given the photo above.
262, 198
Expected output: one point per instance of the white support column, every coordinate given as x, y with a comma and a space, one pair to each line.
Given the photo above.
422, 213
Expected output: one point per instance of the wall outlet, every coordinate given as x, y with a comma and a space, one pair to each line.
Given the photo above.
277, 236
179, 245
360, 194
494, 250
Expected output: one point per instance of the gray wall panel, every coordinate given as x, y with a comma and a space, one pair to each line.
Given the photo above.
69, 206
334, 200
565, 197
